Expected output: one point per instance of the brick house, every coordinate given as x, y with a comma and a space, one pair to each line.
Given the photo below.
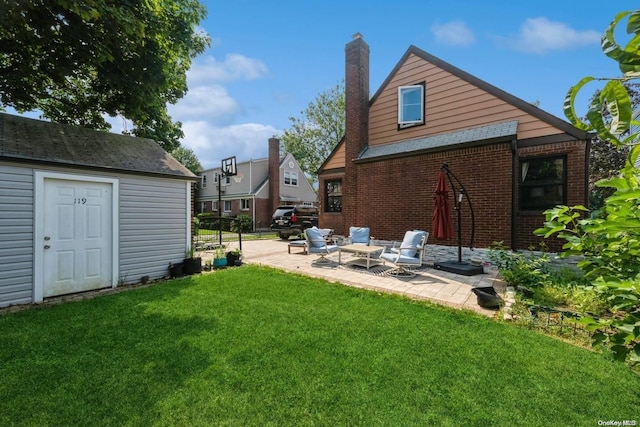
259, 187
514, 159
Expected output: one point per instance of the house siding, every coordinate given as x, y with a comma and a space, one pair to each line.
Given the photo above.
153, 221
16, 235
391, 190
451, 104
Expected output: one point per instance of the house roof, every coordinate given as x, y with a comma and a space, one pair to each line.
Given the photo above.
495, 91
478, 135
30, 140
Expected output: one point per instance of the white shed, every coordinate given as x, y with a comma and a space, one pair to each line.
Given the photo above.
83, 210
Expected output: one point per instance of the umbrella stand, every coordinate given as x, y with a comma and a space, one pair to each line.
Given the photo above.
459, 266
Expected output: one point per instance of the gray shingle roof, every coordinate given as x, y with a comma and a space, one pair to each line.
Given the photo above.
488, 133
25, 139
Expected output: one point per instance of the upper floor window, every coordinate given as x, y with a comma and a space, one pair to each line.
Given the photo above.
410, 105
333, 195
543, 183
203, 181
290, 178
215, 177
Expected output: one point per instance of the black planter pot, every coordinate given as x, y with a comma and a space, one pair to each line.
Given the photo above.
192, 265
487, 297
175, 270
233, 260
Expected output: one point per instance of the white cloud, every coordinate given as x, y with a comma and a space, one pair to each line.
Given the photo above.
211, 102
212, 143
455, 33
540, 35
234, 67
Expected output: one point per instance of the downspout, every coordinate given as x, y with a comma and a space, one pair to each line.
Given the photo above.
514, 188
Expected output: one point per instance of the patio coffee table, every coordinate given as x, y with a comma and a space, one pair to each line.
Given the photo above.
360, 249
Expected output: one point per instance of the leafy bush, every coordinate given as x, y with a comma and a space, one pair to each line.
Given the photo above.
518, 269
610, 240
242, 223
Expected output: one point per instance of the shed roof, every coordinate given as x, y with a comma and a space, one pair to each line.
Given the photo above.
30, 140
478, 135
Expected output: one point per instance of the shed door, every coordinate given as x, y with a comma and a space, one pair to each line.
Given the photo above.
77, 236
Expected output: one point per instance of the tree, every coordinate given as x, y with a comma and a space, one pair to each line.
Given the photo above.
77, 61
610, 242
312, 137
605, 159
188, 158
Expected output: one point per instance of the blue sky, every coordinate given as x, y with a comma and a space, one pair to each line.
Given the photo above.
270, 59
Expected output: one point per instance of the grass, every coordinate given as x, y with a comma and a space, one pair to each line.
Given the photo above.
255, 346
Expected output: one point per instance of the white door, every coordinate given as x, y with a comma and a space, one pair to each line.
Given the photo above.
77, 236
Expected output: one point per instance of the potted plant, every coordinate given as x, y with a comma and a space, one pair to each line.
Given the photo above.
191, 263
234, 257
175, 270
219, 257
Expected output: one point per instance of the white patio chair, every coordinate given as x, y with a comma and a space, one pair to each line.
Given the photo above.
408, 255
316, 244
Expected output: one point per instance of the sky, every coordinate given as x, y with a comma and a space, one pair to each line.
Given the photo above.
269, 59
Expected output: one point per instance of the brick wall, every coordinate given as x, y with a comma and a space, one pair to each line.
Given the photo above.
527, 221
356, 122
397, 195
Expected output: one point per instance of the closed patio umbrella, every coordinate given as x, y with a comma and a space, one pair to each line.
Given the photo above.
441, 224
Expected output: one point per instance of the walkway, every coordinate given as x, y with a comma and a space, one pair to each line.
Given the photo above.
438, 286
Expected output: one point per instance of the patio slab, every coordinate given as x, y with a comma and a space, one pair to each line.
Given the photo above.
438, 286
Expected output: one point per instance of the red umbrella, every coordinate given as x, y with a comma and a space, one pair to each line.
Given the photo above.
441, 225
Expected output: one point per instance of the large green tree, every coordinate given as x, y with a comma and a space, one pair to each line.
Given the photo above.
188, 158
77, 60
313, 136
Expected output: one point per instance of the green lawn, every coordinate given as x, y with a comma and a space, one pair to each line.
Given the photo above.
255, 346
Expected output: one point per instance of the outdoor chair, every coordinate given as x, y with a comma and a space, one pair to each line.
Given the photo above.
317, 244
358, 236
408, 255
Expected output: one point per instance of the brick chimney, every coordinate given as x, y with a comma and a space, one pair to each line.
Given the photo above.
274, 173
357, 120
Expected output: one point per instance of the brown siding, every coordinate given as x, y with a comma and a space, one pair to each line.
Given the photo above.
451, 104
337, 159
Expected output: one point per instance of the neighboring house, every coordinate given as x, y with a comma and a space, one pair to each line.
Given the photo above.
258, 189
83, 210
514, 159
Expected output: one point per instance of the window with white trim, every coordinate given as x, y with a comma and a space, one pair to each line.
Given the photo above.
333, 195
244, 204
227, 205
291, 178
203, 180
214, 205
410, 105
215, 177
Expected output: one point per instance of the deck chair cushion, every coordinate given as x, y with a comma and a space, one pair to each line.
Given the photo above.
359, 235
315, 237
410, 243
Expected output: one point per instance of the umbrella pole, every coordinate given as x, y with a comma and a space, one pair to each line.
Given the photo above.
458, 208
459, 193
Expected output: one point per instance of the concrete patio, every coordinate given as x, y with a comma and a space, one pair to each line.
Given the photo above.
438, 286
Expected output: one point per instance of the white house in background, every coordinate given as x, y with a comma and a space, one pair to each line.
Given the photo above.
83, 210
259, 187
